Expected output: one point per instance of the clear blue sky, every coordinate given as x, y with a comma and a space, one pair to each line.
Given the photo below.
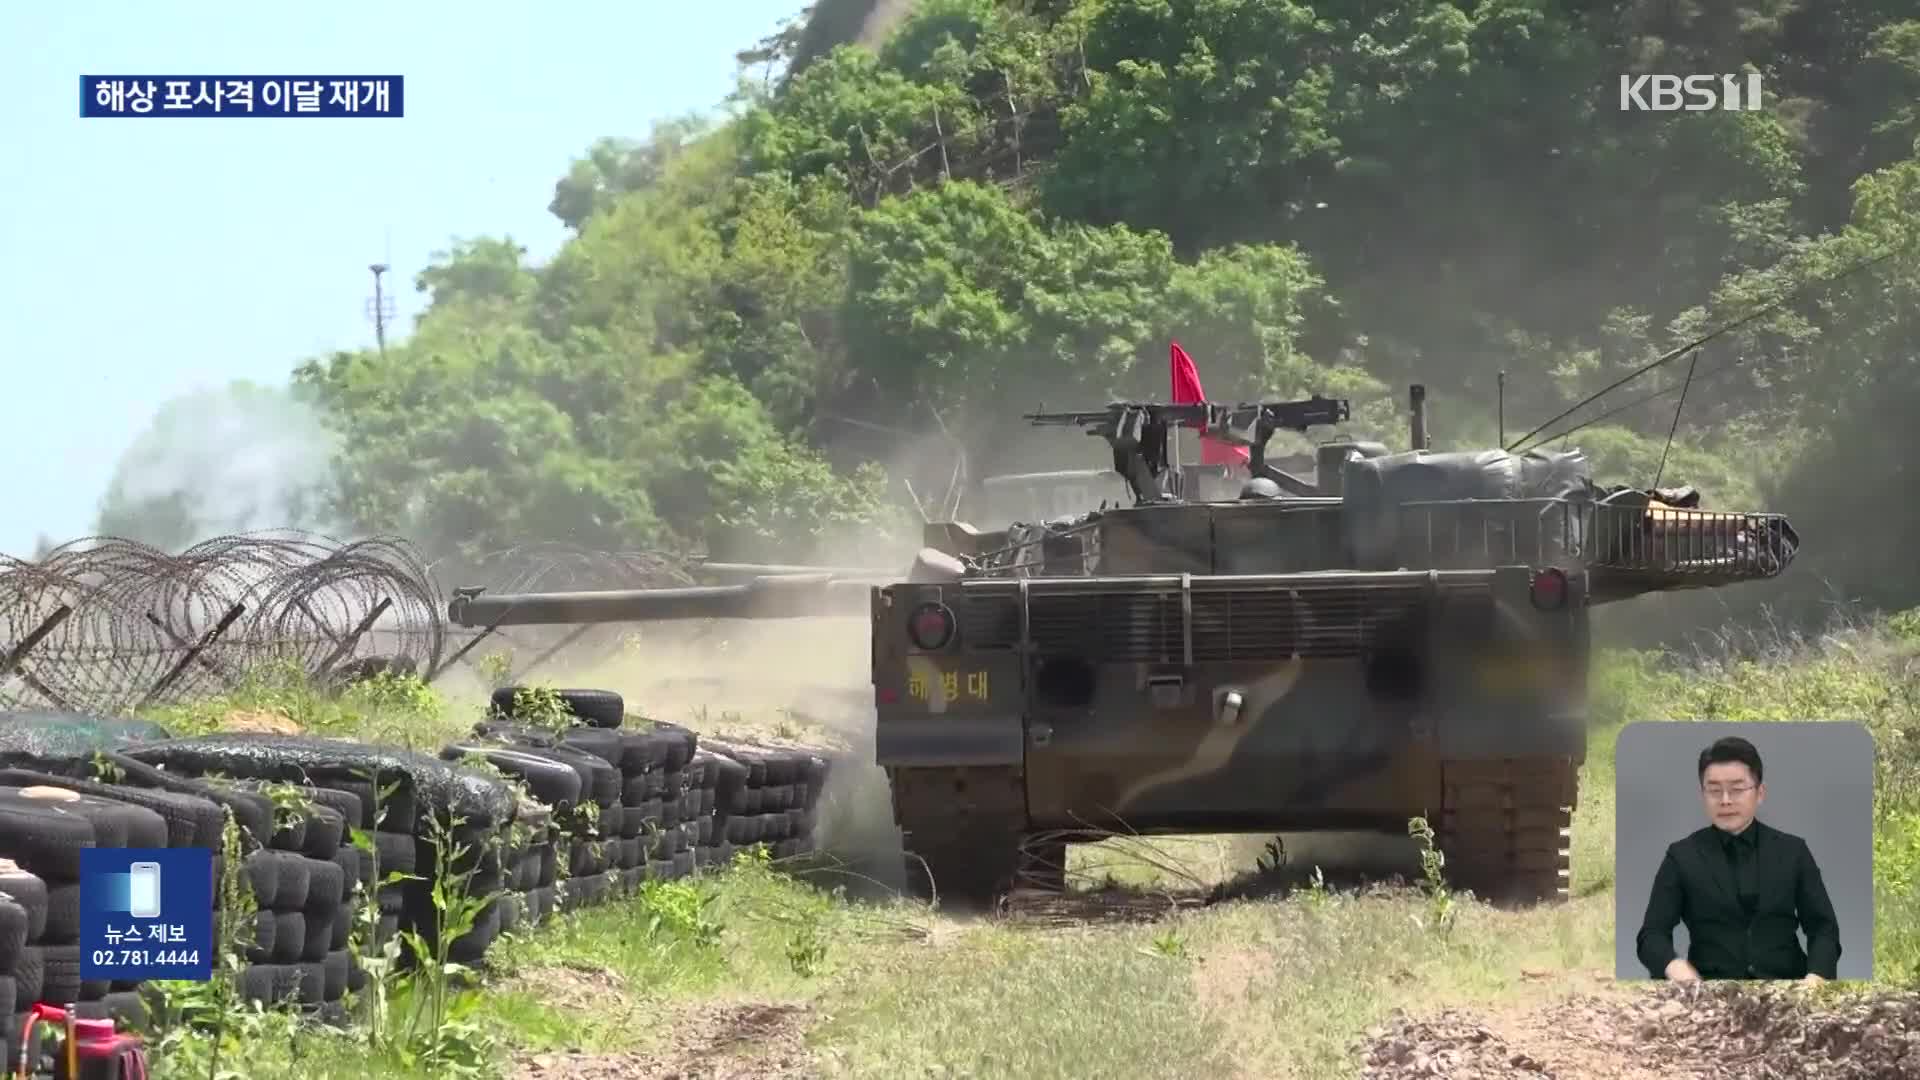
145, 259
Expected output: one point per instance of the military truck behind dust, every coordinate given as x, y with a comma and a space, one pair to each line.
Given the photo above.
1395, 635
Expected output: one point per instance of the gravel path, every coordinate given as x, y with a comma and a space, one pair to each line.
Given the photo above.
1665, 1031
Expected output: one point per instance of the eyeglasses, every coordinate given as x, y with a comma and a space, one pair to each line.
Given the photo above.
1722, 794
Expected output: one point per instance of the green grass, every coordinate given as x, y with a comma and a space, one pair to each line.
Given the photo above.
1282, 986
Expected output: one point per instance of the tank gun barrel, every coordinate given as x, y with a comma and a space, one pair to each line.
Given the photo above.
752, 570
791, 596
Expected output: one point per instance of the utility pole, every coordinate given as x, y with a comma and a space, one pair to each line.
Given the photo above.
379, 309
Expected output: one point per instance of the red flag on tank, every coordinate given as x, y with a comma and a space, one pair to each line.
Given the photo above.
1186, 391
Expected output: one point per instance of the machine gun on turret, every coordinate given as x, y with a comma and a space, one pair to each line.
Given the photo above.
1139, 433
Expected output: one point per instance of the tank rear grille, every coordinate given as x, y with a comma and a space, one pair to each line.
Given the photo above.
1227, 625
990, 621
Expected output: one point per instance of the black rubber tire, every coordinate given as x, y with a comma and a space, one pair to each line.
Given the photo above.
512, 908
599, 778
115, 824
335, 973
754, 761
275, 984
397, 852
292, 878
514, 732
290, 832
326, 886
126, 1008
471, 946
326, 829
345, 804
539, 905
644, 788
698, 770
190, 821
613, 822
60, 974
29, 891
682, 742
319, 934
253, 813
43, 838
14, 924
645, 751
262, 873
356, 866
10, 1034
586, 858
551, 781
599, 742
400, 810
587, 891
29, 976
264, 930
683, 863
63, 914
597, 708
526, 871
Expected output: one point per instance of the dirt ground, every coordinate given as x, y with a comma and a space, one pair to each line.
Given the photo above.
722, 1041
1643, 1033
1667, 1031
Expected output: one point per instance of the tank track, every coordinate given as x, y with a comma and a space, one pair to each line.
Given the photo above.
1506, 827
964, 831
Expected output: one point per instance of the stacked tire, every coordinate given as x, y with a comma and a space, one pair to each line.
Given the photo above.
601, 809
769, 796
685, 803
46, 820
307, 883
416, 802
626, 814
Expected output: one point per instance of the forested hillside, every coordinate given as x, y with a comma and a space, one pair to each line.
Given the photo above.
762, 325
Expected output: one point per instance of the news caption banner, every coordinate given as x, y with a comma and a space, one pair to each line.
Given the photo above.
242, 95
146, 913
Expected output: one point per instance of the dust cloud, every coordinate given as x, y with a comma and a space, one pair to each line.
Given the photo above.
803, 682
239, 458
881, 21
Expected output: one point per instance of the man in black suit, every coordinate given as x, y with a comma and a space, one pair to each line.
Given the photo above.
1742, 887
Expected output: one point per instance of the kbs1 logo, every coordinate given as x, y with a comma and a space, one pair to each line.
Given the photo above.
1691, 93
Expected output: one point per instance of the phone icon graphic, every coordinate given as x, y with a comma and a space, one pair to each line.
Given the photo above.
143, 892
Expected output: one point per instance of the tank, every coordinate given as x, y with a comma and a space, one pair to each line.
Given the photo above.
1380, 637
